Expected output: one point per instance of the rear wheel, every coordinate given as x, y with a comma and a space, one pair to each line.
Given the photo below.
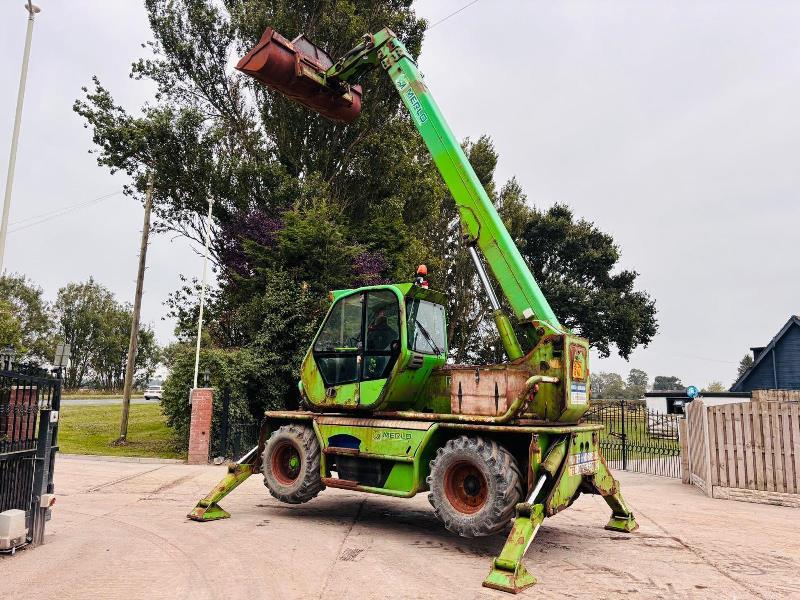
475, 485
290, 464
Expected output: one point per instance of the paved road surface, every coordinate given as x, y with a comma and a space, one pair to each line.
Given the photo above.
119, 532
102, 401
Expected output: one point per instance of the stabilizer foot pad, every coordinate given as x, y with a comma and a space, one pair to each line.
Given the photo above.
208, 513
509, 581
626, 524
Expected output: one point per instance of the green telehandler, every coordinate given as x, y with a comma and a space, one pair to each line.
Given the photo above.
384, 412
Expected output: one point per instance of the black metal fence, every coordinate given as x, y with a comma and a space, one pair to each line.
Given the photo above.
30, 399
636, 438
231, 438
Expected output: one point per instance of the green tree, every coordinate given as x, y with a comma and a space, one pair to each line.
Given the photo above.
109, 356
204, 137
80, 309
34, 323
10, 328
231, 372
608, 386
745, 364
472, 337
576, 265
715, 386
636, 383
97, 328
667, 383
280, 315
304, 202
148, 357
600, 380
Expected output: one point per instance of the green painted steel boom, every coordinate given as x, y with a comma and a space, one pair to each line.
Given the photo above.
481, 225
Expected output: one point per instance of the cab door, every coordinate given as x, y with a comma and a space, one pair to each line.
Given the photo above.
382, 343
338, 352
357, 348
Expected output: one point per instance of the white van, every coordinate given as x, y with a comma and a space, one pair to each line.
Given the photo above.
153, 392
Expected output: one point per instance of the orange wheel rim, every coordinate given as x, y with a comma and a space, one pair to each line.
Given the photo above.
286, 463
466, 487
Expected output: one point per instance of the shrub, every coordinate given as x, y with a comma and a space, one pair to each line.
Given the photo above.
232, 371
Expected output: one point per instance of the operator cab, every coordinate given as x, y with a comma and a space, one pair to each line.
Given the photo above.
373, 344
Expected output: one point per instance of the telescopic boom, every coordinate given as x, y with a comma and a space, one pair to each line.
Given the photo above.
305, 73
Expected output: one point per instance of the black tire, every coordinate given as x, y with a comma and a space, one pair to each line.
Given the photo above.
474, 486
290, 464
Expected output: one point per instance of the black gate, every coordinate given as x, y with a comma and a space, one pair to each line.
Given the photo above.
232, 438
29, 402
636, 438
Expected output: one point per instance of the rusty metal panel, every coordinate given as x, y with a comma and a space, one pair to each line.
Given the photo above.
485, 391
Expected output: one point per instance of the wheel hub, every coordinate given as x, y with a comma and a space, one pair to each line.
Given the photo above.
471, 485
466, 488
286, 463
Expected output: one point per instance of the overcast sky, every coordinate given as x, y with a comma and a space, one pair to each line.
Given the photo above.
673, 126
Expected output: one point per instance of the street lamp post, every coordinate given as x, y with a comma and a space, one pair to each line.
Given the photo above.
12, 158
202, 292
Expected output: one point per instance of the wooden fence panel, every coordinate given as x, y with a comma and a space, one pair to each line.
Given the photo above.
749, 451
711, 447
794, 425
730, 445
777, 447
696, 437
694, 447
786, 442
684, 445
744, 450
776, 395
758, 446
769, 459
739, 450
721, 450
725, 430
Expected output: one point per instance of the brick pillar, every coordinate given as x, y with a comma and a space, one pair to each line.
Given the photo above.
200, 429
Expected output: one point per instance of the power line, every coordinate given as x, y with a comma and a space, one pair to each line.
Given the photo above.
67, 208
716, 360
452, 14
49, 215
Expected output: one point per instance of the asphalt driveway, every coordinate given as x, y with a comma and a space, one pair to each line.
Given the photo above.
119, 531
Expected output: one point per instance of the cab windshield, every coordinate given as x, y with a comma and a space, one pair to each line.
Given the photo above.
426, 327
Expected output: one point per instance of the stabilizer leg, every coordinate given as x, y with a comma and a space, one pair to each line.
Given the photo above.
508, 574
622, 518
208, 509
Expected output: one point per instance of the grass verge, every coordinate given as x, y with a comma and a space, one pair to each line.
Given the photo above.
95, 395
91, 429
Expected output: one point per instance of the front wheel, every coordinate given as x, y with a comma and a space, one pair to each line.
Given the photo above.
475, 485
290, 464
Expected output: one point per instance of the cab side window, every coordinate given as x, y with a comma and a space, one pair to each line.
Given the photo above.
339, 343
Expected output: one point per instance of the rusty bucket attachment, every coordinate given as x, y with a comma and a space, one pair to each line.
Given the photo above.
296, 69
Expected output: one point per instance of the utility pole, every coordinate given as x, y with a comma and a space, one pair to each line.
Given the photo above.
202, 293
12, 158
137, 307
